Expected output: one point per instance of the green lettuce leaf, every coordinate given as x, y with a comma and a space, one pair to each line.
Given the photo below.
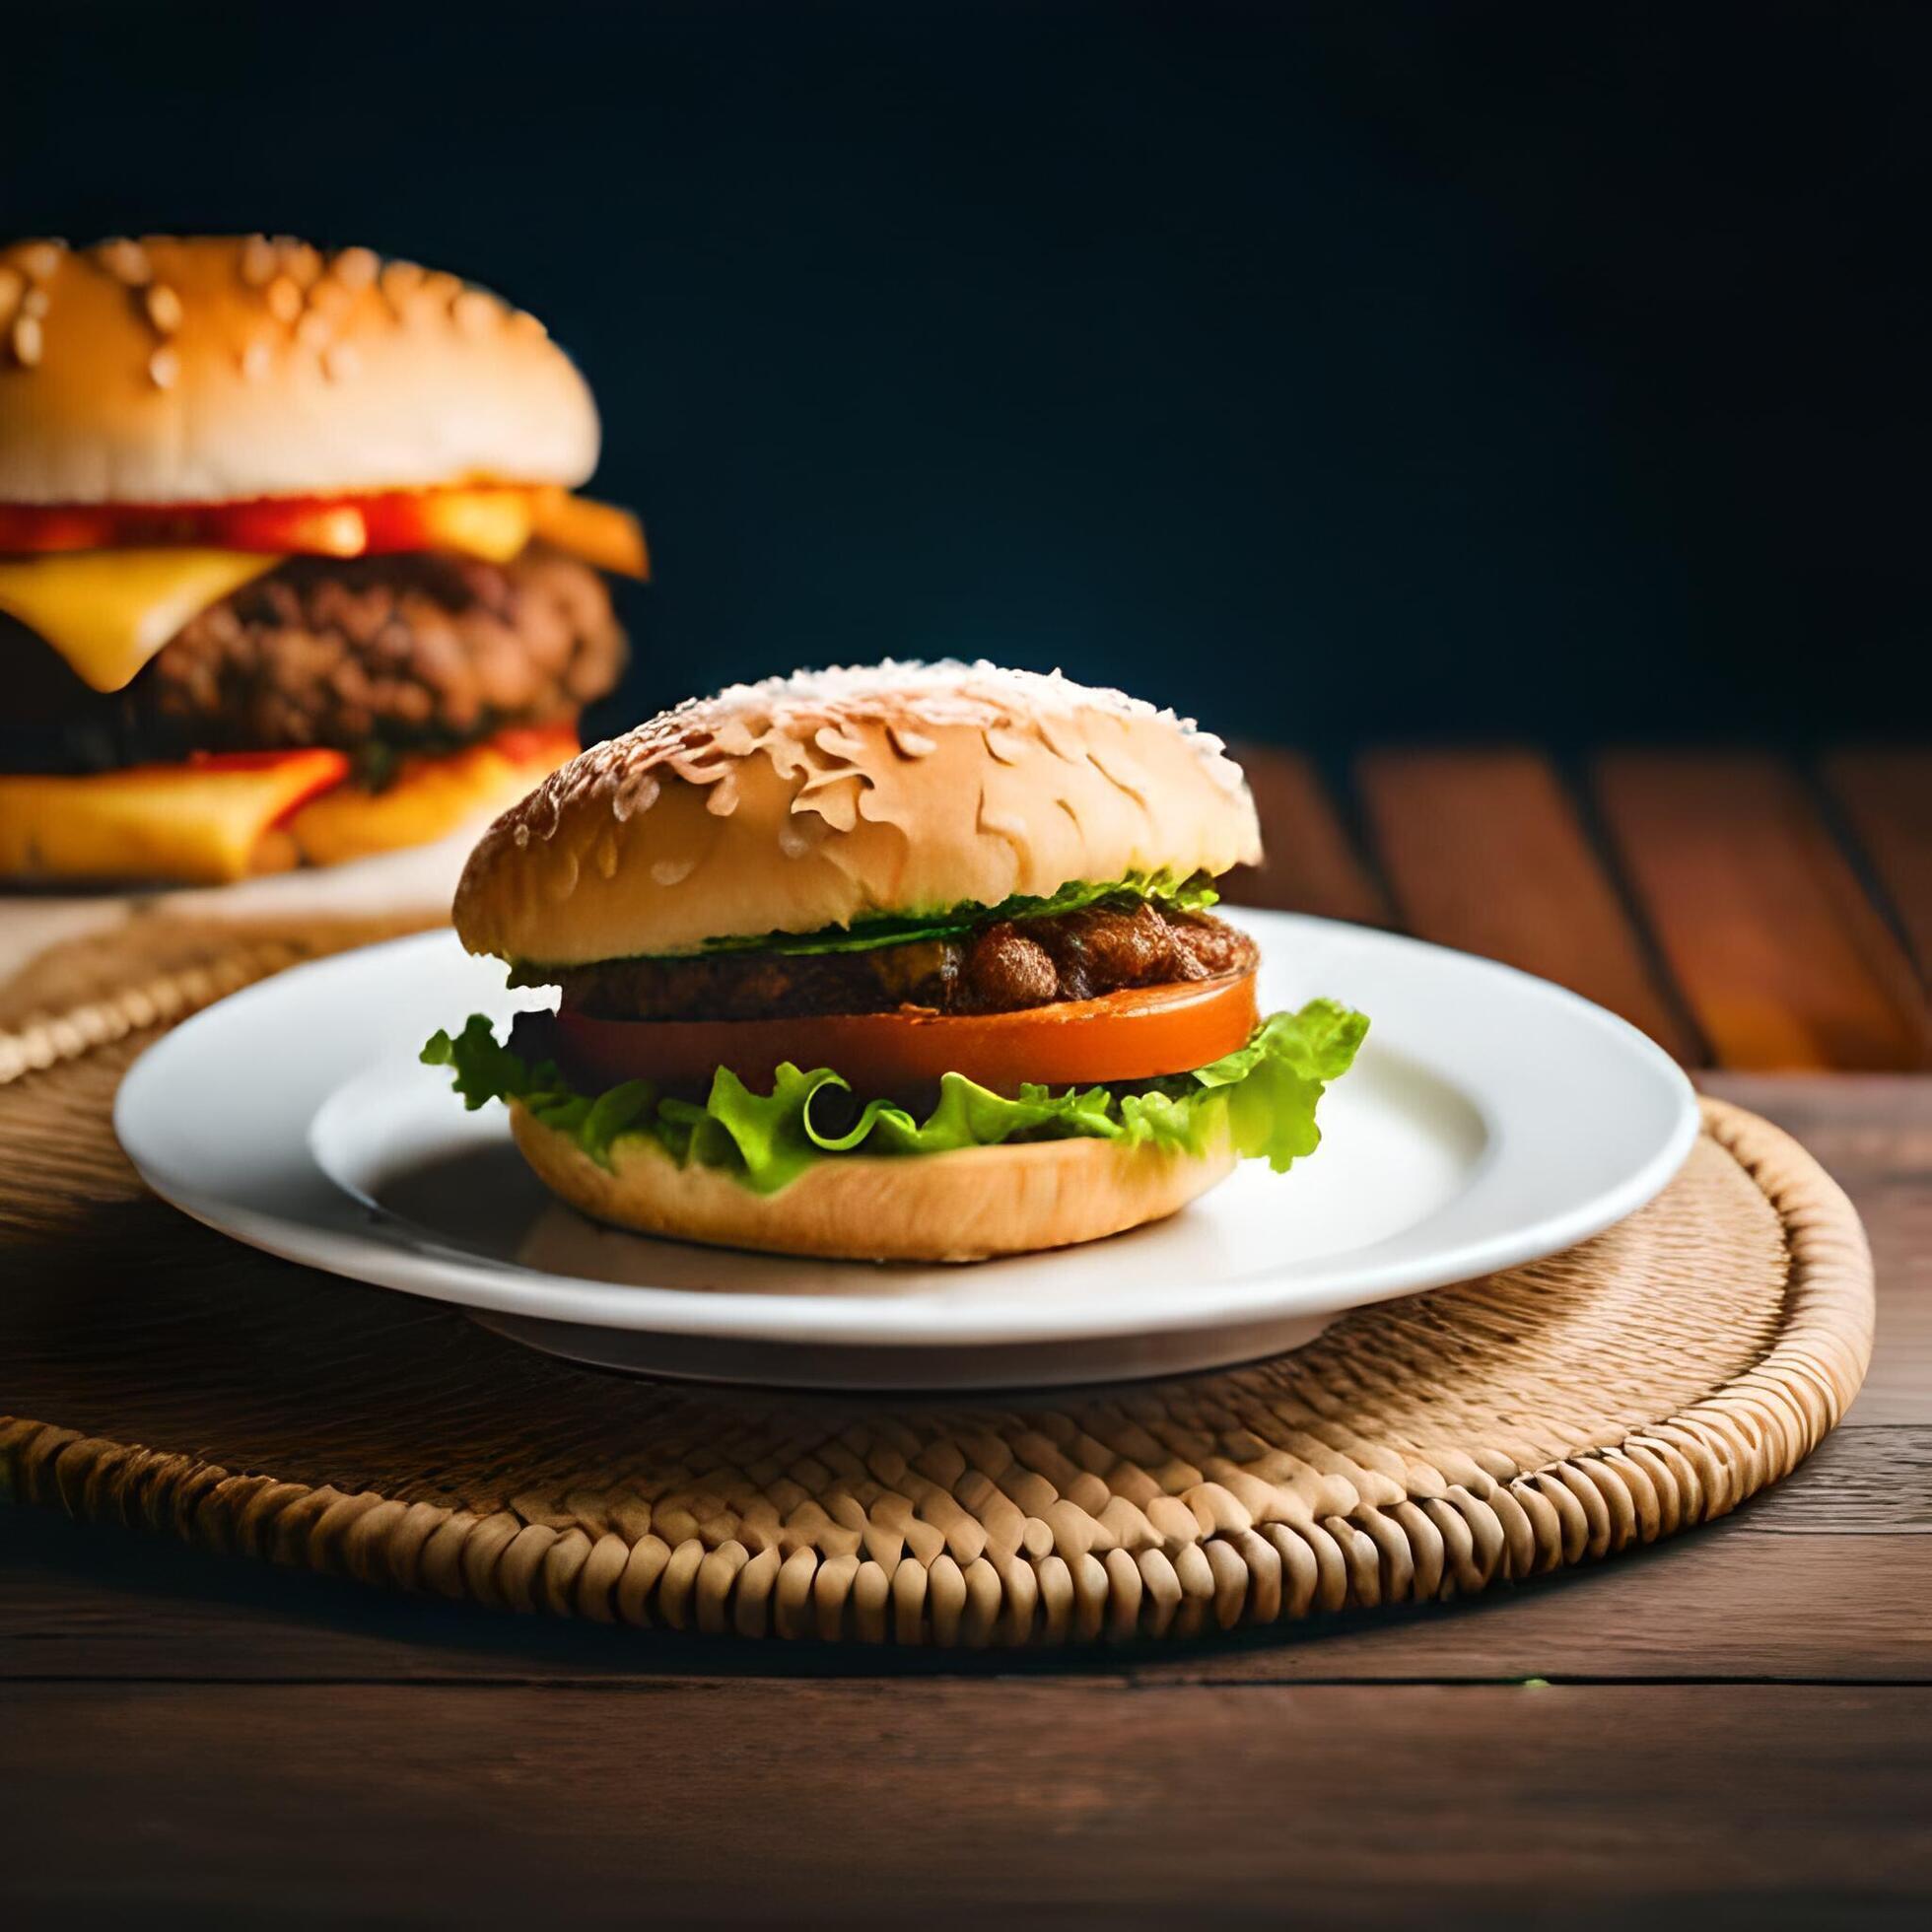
1264, 1093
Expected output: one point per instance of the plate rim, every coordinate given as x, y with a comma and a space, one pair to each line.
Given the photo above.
366, 1249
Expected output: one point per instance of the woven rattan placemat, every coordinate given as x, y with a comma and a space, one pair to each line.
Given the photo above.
154, 1373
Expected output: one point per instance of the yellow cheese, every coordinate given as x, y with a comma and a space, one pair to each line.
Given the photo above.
491, 524
201, 823
598, 533
109, 611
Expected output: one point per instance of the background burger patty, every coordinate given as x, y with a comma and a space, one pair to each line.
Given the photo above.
409, 650
995, 968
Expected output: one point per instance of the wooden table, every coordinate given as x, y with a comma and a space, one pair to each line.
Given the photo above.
1734, 1725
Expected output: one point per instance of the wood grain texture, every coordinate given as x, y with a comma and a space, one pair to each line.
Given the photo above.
1885, 793
1873, 1134
1777, 950
1733, 1603
1312, 863
1484, 851
1017, 1799
1870, 1481
1736, 1604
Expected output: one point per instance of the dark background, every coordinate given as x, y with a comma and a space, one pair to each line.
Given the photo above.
1337, 371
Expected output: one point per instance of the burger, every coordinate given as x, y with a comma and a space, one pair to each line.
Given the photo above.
902, 963
289, 568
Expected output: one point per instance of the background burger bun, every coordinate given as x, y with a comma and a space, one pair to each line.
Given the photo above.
821, 799
960, 1206
208, 369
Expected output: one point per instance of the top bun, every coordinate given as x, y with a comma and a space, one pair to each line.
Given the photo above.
206, 369
825, 797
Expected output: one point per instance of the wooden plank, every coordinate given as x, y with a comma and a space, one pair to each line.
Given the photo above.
1781, 957
1728, 1602
1897, 1216
1484, 850
852, 1803
1873, 1135
1731, 1601
1859, 1481
1312, 865
1885, 793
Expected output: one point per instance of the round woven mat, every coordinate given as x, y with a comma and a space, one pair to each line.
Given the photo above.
154, 1373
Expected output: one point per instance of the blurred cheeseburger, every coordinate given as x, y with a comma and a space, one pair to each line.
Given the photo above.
912, 962
290, 570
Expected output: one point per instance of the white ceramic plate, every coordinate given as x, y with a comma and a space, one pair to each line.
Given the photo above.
1492, 1117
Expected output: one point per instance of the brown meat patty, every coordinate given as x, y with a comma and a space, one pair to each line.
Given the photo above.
407, 650
997, 967
410, 649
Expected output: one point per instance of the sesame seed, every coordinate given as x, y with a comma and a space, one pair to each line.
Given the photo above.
474, 310
440, 287
284, 299
36, 302
301, 264
126, 261
164, 309
314, 330
164, 365
260, 261
28, 341
330, 298
340, 362
254, 361
355, 268
42, 258
523, 323
400, 280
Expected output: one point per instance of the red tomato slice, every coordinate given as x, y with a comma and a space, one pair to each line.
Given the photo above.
1127, 1036
492, 524
59, 526
307, 526
304, 526
494, 521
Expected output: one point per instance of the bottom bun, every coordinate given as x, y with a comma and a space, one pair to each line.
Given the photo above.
960, 1206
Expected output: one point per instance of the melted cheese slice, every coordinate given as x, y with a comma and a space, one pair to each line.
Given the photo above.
109, 611
599, 533
489, 524
197, 823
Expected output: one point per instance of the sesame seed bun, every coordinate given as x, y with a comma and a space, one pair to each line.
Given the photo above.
968, 1205
210, 369
821, 799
